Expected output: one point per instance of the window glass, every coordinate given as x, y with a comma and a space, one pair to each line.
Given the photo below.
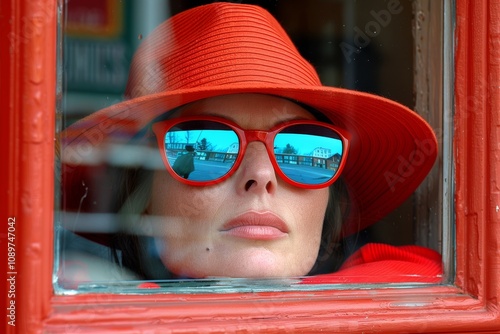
199, 150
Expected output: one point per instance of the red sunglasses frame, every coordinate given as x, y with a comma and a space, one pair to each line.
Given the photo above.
246, 137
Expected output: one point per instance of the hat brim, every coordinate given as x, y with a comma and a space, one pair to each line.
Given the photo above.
392, 147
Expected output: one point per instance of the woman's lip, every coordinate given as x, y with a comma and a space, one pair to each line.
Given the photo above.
256, 225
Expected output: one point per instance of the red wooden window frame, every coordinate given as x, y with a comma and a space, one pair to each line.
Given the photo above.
27, 118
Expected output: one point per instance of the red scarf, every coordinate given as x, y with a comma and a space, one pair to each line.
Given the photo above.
381, 263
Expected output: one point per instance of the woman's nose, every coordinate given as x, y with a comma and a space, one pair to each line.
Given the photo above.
256, 172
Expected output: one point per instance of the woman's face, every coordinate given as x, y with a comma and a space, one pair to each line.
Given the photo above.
253, 224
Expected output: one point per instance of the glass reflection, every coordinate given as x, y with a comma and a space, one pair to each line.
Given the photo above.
306, 158
201, 155
208, 154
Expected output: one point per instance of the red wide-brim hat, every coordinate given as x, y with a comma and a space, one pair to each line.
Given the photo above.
225, 48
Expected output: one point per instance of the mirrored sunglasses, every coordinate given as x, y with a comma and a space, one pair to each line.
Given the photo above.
202, 151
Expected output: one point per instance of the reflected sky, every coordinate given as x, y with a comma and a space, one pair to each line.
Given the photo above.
221, 140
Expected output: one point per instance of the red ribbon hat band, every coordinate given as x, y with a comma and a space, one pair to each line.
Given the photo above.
225, 48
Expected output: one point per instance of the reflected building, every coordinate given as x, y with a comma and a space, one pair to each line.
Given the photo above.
321, 152
320, 157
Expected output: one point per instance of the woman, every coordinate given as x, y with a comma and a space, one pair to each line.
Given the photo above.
294, 166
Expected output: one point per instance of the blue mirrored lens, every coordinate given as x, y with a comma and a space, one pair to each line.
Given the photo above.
206, 151
201, 150
308, 154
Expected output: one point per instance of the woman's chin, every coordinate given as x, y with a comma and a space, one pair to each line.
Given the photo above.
240, 262
256, 267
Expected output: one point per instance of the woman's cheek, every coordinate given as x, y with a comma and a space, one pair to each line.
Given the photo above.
173, 198
309, 206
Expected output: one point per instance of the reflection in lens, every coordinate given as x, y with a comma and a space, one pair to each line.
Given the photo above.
308, 154
201, 150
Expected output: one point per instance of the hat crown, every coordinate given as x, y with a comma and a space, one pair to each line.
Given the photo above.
215, 45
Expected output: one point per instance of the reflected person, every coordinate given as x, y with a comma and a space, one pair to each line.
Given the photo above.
184, 164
